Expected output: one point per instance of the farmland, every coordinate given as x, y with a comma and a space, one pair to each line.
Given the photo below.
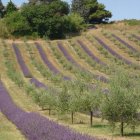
34, 72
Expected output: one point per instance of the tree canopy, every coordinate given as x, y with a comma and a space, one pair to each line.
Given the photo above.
121, 104
91, 10
11, 7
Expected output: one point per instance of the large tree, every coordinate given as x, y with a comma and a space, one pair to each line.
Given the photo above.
91, 10
1, 9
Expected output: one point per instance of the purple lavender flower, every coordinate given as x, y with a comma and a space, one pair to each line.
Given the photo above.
21, 62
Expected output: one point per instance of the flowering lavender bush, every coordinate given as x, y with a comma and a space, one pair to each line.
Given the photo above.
21, 62
34, 126
113, 52
90, 53
124, 43
47, 62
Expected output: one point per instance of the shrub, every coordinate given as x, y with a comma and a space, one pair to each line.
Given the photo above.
17, 24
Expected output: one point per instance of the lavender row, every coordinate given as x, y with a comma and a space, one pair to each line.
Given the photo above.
21, 62
112, 51
47, 62
66, 54
135, 36
32, 125
25, 70
90, 53
124, 43
70, 59
37, 83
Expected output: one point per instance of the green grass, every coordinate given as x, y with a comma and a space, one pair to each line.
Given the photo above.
8, 131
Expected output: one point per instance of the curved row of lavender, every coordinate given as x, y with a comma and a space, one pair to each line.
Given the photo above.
135, 36
32, 125
67, 55
47, 62
37, 83
114, 53
124, 43
25, 69
70, 59
21, 62
94, 58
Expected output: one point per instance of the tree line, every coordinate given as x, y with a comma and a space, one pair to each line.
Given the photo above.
51, 18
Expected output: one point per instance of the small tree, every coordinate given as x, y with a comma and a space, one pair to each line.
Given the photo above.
76, 89
11, 7
122, 102
91, 100
48, 100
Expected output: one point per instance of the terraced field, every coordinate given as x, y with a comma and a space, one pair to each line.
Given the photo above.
30, 67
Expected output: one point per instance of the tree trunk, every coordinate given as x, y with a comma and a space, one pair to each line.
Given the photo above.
72, 117
49, 111
122, 129
91, 118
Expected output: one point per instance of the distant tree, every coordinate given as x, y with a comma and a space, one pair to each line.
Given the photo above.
11, 7
121, 104
91, 10
1, 9
40, 1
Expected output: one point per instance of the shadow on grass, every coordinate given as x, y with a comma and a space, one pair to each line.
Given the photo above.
132, 135
100, 126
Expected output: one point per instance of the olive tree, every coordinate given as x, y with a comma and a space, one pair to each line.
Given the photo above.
121, 104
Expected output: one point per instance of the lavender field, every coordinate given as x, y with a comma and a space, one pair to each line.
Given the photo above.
71, 99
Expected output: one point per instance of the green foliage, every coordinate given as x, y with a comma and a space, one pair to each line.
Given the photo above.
17, 24
11, 7
121, 104
91, 10
33, 2
49, 20
132, 22
74, 23
48, 99
4, 33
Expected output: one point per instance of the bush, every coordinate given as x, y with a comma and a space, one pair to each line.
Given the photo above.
74, 23
4, 33
17, 24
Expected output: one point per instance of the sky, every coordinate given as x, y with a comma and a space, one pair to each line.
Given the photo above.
121, 9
